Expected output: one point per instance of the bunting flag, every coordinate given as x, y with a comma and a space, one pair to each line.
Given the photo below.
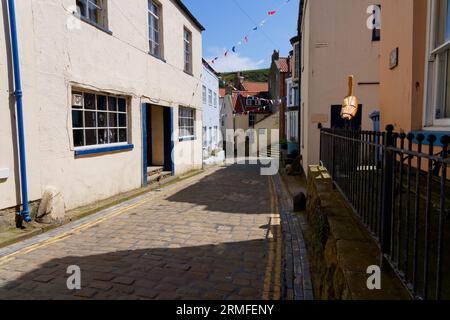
246, 39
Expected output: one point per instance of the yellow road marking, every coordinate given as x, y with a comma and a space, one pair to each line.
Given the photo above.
274, 252
69, 233
278, 253
11, 256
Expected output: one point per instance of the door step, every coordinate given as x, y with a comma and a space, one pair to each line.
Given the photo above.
154, 170
159, 177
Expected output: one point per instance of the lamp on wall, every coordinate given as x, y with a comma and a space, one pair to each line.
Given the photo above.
350, 106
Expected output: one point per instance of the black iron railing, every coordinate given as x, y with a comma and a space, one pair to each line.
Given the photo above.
398, 185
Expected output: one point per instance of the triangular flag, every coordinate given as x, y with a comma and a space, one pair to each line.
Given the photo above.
255, 28
226, 53
233, 49
263, 23
271, 13
246, 39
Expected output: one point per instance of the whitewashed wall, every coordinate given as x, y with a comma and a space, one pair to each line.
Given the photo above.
54, 58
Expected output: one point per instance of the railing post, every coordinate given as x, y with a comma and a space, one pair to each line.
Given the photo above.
388, 176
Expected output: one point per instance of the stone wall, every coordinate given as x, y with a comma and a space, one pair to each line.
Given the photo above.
341, 249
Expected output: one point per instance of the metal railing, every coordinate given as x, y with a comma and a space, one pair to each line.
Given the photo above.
398, 186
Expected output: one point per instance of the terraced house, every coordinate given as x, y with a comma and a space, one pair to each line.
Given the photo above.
111, 93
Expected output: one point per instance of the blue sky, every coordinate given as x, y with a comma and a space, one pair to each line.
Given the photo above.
228, 21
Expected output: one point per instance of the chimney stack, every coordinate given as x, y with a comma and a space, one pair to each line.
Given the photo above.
239, 80
229, 88
276, 55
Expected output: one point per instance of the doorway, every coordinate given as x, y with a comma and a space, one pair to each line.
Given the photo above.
158, 142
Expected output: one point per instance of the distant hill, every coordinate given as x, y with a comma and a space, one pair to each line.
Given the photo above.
261, 75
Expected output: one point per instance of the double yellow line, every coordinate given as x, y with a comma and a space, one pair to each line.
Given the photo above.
10, 257
7, 258
272, 278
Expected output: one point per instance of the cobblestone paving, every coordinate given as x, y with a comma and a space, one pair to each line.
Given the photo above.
207, 239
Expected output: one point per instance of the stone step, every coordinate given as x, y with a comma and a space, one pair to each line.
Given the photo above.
154, 170
159, 177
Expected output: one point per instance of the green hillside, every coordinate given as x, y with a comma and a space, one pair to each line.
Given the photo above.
261, 75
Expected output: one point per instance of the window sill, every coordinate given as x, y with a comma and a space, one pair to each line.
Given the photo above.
102, 150
156, 57
94, 25
188, 73
187, 139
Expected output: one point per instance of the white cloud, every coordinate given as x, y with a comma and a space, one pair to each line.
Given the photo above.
235, 62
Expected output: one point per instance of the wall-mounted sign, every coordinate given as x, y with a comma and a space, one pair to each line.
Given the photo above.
393, 59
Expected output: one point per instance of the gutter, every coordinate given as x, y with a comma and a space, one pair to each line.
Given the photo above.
25, 213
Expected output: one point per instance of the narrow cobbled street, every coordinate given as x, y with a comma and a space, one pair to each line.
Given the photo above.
213, 236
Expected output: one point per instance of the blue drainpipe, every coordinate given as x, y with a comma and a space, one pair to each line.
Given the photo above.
25, 213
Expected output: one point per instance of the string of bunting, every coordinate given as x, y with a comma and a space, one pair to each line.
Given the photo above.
271, 102
246, 38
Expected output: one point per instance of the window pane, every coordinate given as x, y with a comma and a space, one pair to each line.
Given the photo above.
81, 8
89, 101
123, 135
101, 102
122, 105
122, 120
113, 136
112, 104
101, 119
91, 137
94, 12
443, 22
90, 119
78, 138
443, 94
112, 119
152, 7
77, 119
102, 136
156, 37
